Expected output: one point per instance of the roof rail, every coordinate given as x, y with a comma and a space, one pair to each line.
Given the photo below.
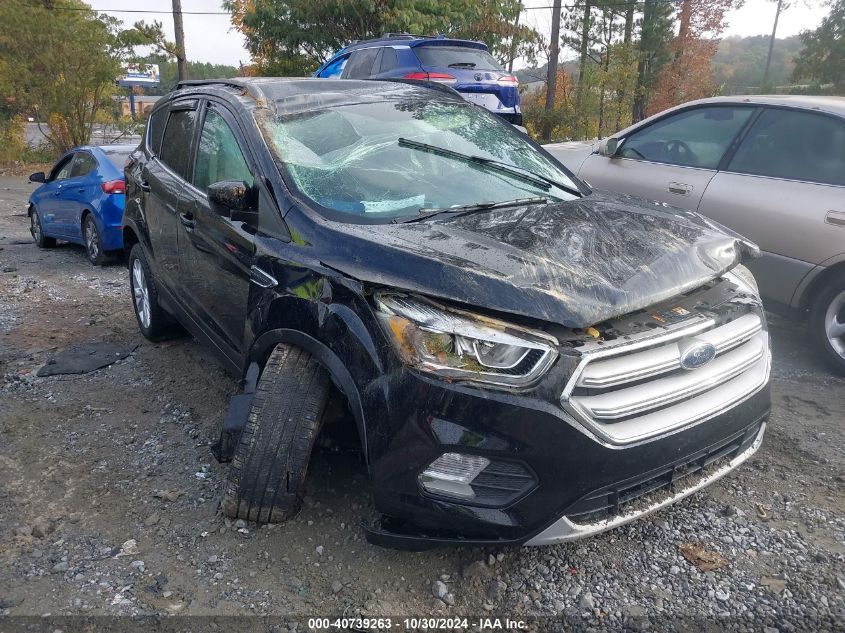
404, 36
249, 88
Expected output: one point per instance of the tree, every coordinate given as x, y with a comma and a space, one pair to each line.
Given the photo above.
823, 57
295, 36
60, 62
653, 52
689, 75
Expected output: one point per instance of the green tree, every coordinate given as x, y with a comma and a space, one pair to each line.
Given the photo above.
822, 59
290, 37
653, 52
59, 62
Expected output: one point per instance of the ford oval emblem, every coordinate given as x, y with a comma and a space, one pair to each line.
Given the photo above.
696, 354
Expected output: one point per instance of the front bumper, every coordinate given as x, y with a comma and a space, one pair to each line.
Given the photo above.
571, 468
565, 529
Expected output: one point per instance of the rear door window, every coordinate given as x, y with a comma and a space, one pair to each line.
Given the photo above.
456, 57
360, 64
219, 157
155, 127
794, 145
83, 164
693, 138
176, 143
388, 61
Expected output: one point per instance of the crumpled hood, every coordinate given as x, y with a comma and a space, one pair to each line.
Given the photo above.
575, 263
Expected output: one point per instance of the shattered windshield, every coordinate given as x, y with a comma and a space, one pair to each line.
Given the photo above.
349, 158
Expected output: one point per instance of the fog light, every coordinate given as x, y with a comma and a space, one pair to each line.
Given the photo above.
452, 473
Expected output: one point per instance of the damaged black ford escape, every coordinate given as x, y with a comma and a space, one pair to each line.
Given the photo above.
527, 361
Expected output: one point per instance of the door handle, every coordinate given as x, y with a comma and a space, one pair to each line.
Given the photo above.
835, 217
144, 185
679, 188
82, 190
187, 220
261, 278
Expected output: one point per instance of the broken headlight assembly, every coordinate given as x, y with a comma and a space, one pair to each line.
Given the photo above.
461, 346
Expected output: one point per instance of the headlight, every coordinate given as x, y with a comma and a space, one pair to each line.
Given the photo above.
743, 278
459, 345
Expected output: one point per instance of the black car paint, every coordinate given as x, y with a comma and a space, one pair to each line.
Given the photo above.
566, 265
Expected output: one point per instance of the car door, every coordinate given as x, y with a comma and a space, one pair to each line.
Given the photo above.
78, 192
784, 188
671, 159
164, 177
217, 252
49, 202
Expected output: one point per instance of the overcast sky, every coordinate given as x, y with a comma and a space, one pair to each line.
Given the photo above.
210, 38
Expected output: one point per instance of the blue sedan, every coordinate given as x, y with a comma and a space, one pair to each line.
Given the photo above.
81, 201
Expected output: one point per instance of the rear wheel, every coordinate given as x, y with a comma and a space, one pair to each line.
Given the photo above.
267, 476
827, 323
93, 244
37, 230
152, 319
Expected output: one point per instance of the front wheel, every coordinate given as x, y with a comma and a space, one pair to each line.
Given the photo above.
152, 319
93, 244
37, 230
267, 476
827, 323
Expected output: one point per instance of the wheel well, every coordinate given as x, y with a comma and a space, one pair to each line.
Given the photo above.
129, 240
818, 283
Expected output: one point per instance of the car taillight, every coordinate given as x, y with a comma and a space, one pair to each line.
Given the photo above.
508, 80
441, 78
114, 186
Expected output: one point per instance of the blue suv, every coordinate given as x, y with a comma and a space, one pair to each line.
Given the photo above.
464, 65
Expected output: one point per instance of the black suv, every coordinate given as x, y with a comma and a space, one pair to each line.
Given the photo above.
526, 360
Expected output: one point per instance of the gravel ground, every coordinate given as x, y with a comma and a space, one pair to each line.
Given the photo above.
109, 494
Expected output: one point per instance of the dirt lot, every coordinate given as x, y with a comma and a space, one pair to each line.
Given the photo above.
109, 494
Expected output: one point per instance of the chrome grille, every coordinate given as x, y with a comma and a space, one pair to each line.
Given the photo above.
632, 389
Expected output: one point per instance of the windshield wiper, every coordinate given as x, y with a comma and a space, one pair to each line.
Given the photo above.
544, 182
471, 208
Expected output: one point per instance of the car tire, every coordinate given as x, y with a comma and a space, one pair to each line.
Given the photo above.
37, 231
93, 244
267, 476
827, 323
152, 320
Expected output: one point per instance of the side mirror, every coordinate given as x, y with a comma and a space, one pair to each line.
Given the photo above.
233, 199
609, 146
38, 176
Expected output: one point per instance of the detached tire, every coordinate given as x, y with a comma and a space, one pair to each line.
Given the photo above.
267, 476
827, 323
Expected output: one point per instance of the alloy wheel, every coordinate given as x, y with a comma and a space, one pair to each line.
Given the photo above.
141, 293
91, 241
834, 321
35, 226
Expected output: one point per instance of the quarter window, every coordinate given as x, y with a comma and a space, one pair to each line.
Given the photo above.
695, 138
176, 144
794, 145
155, 126
219, 157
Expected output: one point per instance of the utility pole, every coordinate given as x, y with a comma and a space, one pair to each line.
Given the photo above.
181, 64
514, 41
551, 77
771, 47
